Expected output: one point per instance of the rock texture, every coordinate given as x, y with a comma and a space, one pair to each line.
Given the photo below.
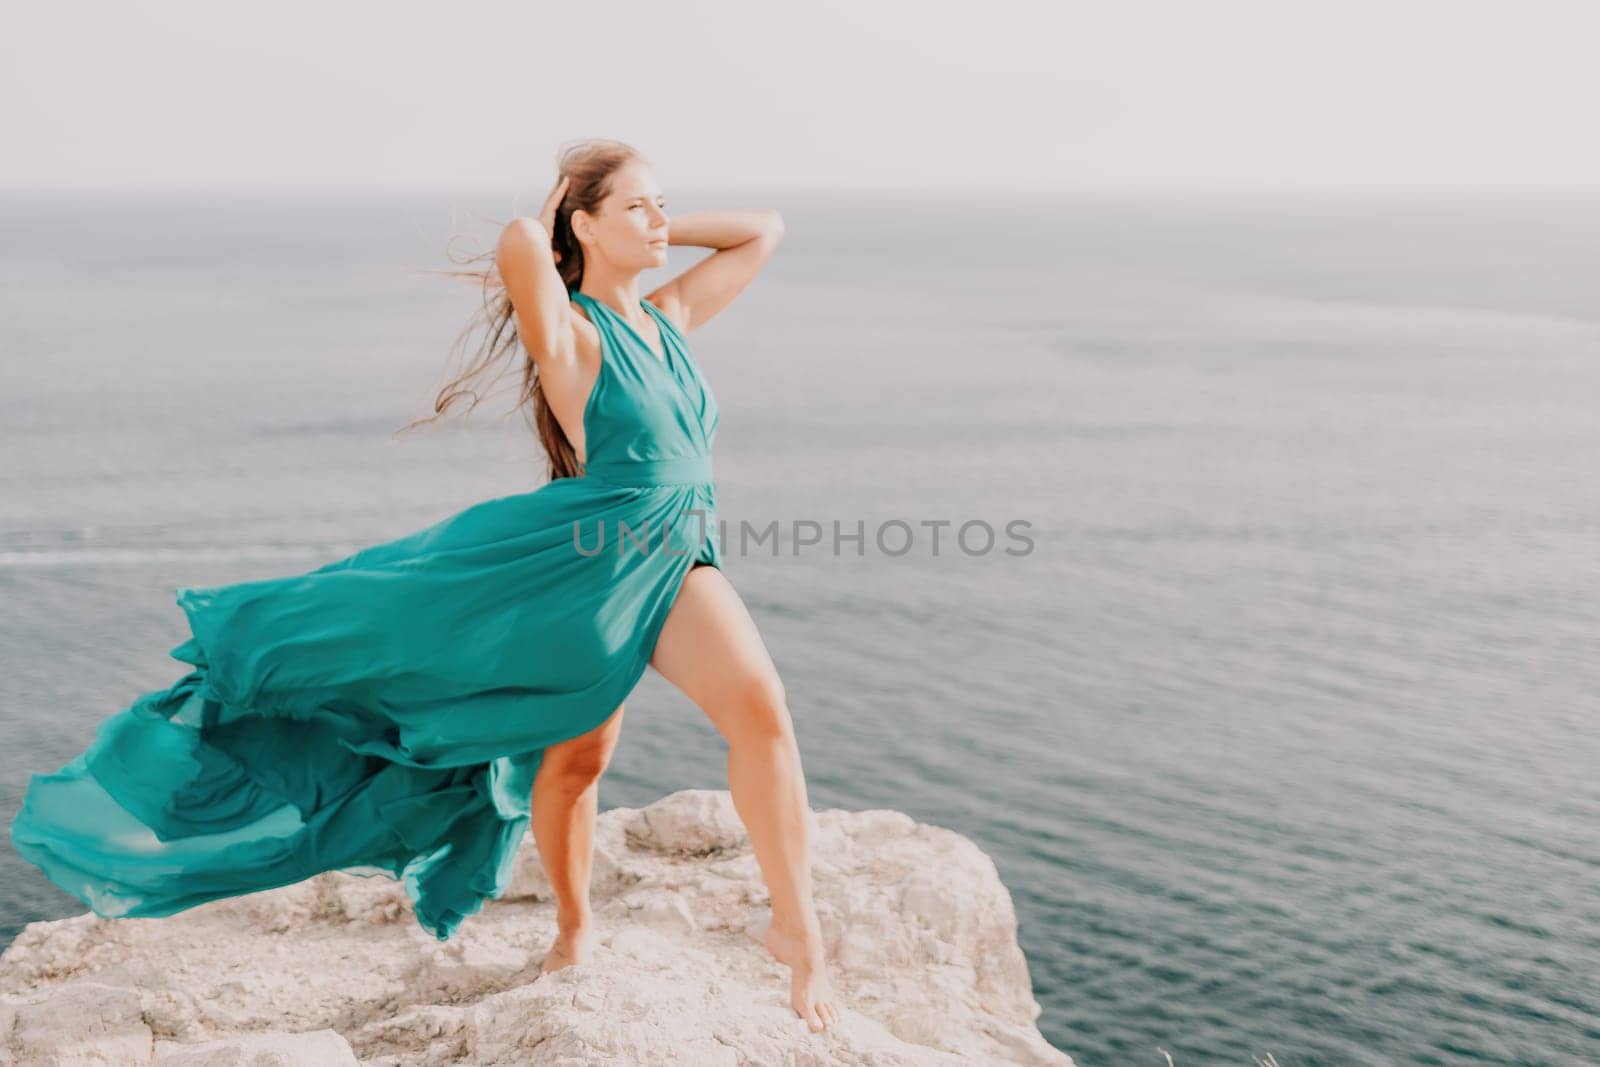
334, 970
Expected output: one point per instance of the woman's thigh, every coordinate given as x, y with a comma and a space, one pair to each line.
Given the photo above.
710, 649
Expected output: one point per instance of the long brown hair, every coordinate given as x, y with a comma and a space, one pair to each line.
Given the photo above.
590, 164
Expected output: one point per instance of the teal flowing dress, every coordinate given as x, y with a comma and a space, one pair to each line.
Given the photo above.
385, 714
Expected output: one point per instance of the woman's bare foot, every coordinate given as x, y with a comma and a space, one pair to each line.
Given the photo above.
810, 993
572, 945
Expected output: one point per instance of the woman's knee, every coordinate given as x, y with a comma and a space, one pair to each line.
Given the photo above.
577, 763
762, 709
574, 770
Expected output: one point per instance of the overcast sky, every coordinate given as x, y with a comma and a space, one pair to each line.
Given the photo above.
1122, 93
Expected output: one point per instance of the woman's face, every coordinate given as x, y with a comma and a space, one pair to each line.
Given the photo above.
630, 227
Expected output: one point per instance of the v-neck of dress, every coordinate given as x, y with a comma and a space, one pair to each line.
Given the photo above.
665, 358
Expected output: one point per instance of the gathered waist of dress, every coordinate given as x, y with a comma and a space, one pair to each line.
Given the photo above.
680, 470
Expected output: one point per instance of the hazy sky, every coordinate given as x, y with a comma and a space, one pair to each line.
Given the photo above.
869, 94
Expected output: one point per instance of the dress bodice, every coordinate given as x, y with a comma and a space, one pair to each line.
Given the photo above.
648, 420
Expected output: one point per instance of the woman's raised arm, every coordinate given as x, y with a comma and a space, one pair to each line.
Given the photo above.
527, 266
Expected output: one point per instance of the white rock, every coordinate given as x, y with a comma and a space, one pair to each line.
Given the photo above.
81, 1024
919, 931
320, 1048
697, 822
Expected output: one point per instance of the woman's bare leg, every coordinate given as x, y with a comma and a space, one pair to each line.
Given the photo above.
566, 803
710, 649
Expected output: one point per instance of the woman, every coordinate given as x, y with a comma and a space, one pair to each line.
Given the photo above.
408, 710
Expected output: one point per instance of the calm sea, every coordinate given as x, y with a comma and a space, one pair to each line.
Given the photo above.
1285, 735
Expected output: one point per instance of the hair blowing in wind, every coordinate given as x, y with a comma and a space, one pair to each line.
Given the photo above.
589, 166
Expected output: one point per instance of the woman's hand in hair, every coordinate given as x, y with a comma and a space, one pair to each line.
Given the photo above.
547, 213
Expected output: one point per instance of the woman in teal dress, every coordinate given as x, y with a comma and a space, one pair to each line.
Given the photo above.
411, 709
